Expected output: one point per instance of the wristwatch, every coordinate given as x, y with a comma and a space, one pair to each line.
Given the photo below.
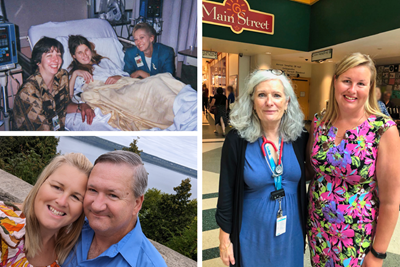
376, 254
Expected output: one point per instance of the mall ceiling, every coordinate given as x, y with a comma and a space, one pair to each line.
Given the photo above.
384, 48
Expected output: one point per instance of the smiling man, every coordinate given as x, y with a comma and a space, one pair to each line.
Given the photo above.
112, 235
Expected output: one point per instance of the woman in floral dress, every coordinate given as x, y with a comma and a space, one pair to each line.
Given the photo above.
344, 200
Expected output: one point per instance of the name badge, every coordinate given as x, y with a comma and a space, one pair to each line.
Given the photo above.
56, 123
139, 61
280, 225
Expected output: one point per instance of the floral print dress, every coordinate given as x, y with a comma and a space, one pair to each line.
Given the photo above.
343, 196
12, 237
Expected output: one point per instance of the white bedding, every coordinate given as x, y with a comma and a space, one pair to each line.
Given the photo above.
101, 72
185, 111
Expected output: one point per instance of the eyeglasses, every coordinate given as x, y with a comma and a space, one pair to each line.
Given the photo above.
275, 72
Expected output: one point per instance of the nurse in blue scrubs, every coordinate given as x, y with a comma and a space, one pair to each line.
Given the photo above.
148, 58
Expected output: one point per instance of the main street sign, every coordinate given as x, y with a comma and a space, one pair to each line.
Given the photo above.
237, 15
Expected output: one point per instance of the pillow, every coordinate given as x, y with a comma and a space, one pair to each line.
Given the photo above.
106, 47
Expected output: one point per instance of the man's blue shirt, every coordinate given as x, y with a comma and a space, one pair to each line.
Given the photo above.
134, 249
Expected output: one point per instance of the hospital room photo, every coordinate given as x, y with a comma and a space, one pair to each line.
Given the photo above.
98, 65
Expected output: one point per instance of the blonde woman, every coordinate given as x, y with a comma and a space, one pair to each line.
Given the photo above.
148, 58
352, 152
43, 230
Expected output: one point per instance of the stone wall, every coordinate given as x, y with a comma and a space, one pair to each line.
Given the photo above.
14, 189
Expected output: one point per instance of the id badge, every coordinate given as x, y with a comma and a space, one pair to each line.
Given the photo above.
139, 61
280, 225
56, 123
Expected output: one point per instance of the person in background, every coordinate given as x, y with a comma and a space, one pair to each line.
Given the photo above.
386, 100
230, 100
381, 105
262, 178
43, 230
43, 101
352, 150
220, 102
205, 98
148, 58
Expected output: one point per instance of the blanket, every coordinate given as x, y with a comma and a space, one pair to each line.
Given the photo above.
135, 104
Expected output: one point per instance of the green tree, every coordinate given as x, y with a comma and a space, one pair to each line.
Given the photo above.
169, 218
185, 241
133, 147
26, 156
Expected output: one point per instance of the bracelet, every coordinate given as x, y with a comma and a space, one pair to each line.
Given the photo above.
223, 250
79, 108
378, 255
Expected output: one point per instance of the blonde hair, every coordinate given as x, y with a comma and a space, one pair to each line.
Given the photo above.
349, 62
67, 235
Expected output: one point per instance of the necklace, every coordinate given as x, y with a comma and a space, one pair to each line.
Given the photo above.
357, 124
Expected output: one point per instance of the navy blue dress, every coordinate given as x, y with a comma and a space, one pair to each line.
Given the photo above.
258, 244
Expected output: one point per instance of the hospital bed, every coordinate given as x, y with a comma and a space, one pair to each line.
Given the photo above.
101, 33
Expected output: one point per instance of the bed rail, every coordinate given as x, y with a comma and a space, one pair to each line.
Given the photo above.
126, 42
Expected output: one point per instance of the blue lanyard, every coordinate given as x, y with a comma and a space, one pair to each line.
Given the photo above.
277, 178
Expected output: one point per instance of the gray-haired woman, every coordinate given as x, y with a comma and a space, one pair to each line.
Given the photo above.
262, 196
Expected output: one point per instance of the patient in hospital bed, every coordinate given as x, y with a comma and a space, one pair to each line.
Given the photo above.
134, 104
87, 65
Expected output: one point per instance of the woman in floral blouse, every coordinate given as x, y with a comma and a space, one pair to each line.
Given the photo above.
42, 102
43, 230
353, 152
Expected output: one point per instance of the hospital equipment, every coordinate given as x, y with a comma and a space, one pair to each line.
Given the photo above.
8, 59
8, 46
151, 8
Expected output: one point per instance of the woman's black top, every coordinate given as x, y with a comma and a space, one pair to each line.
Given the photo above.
220, 100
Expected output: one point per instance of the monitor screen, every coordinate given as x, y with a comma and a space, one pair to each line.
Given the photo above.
5, 55
8, 46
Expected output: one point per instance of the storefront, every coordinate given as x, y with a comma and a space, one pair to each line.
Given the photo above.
297, 29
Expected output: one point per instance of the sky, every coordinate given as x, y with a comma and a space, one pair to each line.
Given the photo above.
178, 149
181, 150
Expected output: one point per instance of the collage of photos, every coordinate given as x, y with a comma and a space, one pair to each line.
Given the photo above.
244, 133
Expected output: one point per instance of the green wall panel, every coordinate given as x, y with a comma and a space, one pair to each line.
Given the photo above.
308, 28
292, 26
337, 21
